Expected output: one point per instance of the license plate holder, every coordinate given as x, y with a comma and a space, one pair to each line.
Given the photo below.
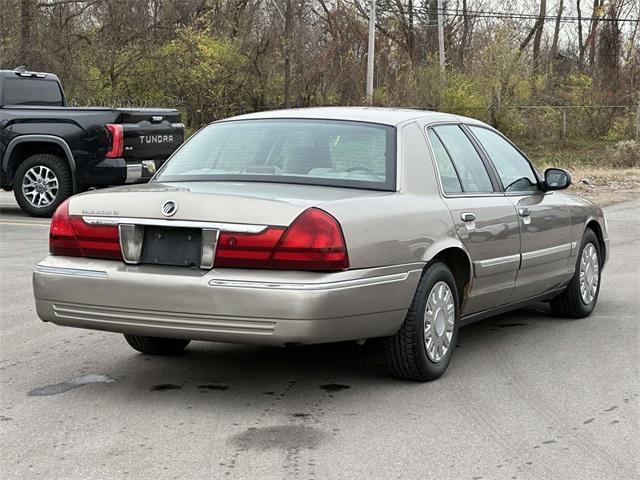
172, 246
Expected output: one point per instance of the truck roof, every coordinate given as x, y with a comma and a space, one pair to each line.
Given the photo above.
19, 72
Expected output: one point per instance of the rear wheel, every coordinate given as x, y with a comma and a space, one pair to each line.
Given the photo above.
156, 345
41, 183
581, 295
423, 347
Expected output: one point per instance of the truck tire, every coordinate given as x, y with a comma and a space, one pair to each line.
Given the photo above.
156, 345
41, 183
581, 295
422, 348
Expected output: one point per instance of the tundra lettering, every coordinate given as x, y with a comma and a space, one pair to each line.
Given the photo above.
156, 138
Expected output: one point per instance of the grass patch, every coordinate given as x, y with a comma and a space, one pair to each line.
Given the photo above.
605, 172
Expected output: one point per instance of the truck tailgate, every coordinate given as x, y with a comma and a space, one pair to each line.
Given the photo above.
151, 134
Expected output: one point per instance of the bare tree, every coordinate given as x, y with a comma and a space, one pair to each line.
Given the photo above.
556, 31
536, 34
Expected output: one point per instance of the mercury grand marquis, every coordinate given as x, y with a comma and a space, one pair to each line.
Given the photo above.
323, 225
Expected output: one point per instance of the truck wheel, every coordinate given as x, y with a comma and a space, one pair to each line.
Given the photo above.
156, 345
41, 183
422, 348
581, 295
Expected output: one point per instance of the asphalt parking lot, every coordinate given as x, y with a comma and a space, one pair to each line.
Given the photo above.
527, 396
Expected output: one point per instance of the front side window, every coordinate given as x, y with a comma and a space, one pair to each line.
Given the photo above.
514, 170
316, 152
466, 160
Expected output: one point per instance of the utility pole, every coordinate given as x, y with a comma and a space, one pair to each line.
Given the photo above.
441, 35
371, 51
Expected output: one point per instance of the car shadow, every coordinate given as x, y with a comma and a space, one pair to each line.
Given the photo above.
235, 374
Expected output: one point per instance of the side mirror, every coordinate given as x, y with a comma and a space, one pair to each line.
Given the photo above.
556, 179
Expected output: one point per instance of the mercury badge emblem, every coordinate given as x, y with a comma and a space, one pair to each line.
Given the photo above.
169, 208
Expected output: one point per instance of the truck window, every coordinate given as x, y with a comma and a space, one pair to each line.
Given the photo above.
31, 91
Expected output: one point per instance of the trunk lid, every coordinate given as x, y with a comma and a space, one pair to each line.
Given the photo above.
229, 202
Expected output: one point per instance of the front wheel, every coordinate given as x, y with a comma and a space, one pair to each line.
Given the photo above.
156, 345
423, 347
581, 295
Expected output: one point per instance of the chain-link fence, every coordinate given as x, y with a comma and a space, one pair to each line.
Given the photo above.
531, 122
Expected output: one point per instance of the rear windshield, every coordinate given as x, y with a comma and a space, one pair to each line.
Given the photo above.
314, 152
31, 91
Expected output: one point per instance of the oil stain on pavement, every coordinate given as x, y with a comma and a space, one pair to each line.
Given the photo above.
280, 437
165, 386
220, 388
70, 384
334, 387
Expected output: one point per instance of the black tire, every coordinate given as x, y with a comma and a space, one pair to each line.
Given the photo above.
156, 345
61, 170
406, 351
569, 303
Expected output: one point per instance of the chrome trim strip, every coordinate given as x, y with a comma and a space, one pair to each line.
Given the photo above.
546, 251
492, 262
73, 272
158, 222
360, 282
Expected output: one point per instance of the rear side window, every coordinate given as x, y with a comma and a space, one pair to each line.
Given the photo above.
448, 176
514, 170
31, 91
466, 160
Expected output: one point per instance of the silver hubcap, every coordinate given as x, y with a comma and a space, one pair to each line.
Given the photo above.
40, 186
589, 273
439, 319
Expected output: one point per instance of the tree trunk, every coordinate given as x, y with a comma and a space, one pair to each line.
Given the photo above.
26, 42
580, 40
556, 32
288, 17
591, 41
538, 37
465, 34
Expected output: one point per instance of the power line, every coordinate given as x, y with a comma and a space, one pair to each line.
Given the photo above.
522, 16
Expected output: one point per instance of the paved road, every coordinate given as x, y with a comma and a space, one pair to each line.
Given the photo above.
527, 396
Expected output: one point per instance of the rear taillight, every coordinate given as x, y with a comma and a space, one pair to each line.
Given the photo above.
116, 135
247, 250
71, 236
314, 241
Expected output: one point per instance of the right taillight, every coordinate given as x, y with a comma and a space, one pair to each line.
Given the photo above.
71, 236
116, 134
314, 241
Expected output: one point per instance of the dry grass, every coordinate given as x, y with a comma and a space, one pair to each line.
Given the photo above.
606, 185
603, 172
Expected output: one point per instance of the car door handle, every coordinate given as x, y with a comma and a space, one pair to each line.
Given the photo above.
468, 217
524, 212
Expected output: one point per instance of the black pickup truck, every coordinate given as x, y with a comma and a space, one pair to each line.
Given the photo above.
49, 151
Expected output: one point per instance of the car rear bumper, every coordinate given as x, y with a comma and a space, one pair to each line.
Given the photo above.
226, 305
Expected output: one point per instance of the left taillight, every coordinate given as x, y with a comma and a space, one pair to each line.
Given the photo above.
72, 236
116, 134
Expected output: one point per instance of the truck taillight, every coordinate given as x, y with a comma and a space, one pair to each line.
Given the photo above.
314, 241
71, 236
116, 135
